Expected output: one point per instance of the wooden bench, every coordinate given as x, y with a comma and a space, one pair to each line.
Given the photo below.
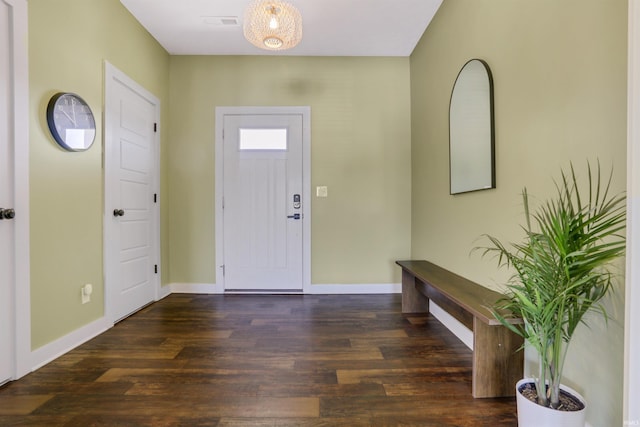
497, 365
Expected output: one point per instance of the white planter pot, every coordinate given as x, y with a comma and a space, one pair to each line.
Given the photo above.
530, 414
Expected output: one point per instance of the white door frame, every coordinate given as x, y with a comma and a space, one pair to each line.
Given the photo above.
22, 363
113, 75
632, 298
306, 185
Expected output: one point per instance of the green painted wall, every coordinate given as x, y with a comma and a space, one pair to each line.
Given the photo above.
69, 40
360, 149
559, 71
560, 93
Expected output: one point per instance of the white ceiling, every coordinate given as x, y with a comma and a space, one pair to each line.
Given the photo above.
330, 27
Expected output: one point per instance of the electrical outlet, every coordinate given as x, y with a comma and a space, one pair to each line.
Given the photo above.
85, 293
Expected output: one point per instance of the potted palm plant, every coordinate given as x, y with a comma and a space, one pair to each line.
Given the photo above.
560, 274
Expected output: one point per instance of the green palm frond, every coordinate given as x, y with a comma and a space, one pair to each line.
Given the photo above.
560, 267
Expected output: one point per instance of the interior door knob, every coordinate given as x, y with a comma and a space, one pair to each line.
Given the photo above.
118, 212
7, 213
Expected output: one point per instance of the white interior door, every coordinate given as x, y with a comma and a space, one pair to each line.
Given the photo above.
263, 202
6, 202
130, 196
15, 320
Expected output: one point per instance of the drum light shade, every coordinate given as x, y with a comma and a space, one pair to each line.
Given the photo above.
272, 25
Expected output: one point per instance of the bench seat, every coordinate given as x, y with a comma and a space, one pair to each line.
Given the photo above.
497, 363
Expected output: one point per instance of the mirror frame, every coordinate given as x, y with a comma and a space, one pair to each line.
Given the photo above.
491, 143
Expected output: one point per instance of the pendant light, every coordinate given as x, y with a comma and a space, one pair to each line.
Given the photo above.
272, 24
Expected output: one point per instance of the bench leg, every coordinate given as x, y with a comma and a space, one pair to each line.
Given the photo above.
497, 363
412, 300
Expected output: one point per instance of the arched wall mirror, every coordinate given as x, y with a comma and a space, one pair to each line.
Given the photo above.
471, 130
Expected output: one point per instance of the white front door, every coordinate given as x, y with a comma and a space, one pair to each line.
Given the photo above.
263, 202
130, 196
6, 202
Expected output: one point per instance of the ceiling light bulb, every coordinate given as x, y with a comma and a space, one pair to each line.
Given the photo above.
273, 23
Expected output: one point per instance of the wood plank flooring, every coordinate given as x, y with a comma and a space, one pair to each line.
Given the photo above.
246, 360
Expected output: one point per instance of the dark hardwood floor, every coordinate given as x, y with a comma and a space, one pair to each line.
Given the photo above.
196, 360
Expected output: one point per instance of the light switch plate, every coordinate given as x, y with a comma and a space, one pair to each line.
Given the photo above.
322, 191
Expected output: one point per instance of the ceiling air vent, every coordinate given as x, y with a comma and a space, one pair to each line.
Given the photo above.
222, 21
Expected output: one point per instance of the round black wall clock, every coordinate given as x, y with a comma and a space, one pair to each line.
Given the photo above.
71, 121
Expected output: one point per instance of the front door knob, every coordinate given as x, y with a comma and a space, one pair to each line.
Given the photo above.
7, 213
118, 212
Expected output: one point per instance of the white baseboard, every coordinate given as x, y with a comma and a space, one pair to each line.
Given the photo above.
164, 292
454, 325
57, 348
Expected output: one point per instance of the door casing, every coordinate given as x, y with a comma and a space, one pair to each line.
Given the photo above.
305, 112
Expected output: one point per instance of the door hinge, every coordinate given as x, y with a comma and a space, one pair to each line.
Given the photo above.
155, 127
155, 269
155, 198
223, 269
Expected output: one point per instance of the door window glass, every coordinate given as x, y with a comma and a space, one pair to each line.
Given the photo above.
263, 139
